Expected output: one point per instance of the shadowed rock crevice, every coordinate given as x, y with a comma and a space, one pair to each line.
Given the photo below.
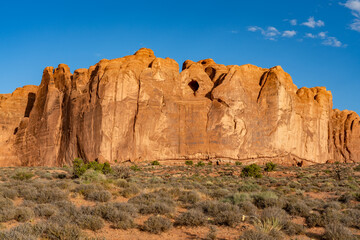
194, 85
30, 104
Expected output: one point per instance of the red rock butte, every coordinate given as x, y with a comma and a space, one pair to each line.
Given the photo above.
141, 108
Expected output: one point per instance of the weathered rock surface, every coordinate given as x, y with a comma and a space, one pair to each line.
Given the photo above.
140, 107
13, 108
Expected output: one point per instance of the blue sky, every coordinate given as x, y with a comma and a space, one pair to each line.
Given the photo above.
316, 41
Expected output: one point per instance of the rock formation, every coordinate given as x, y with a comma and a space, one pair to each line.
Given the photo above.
141, 108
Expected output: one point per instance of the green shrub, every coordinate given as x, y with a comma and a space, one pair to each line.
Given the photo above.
189, 162
79, 167
270, 166
249, 187
92, 175
252, 170
157, 224
155, 163
23, 175
238, 198
265, 199
237, 163
135, 168
106, 169
200, 164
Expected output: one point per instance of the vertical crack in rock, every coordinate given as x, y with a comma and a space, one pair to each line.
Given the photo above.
136, 111
30, 104
262, 83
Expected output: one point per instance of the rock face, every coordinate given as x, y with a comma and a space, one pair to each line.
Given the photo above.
140, 108
13, 108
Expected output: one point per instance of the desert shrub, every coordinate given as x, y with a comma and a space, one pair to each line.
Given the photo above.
193, 217
220, 210
22, 175
357, 196
248, 208
47, 195
55, 231
66, 209
270, 166
121, 172
23, 214
122, 183
275, 213
8, 193
148, 203
237, 163
297, 207
212, 234
254, 235
99, 196
292, 229
120, 214
79, 167
238, 198
219, 193
345, 198
189, 162
87, 189
252, 170
249, 187
354, 217
130, 190
200, 164
135, 168
228, 218
335, 231
265, 199
269, 227
157, 224
333, 205
7, 211
61, 175
314, 220
92, 176
90, 222
21, 232
45, 210
357, 168
155, 163
189, 197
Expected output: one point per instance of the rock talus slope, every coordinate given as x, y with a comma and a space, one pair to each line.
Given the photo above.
140, 107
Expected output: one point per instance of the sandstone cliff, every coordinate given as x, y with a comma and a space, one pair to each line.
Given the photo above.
141, 107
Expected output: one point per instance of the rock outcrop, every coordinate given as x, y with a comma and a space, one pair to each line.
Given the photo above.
141, 108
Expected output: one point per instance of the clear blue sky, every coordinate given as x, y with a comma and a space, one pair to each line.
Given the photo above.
316, 41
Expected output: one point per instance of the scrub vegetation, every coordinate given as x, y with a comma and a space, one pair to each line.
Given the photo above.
194, 199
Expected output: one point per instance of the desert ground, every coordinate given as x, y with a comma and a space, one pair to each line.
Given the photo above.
191, 200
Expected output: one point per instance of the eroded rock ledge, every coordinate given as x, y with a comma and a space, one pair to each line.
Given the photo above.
140, 107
